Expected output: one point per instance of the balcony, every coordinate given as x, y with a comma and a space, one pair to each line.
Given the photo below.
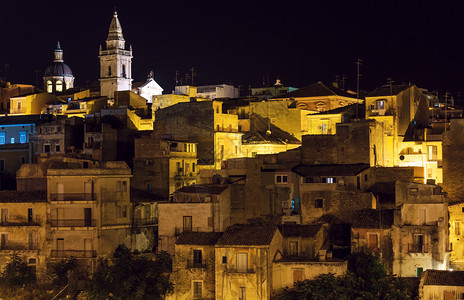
73, 197
19, 223
418, 248
18, 246
144, 221
73, 223
73, 253
195, 265
241, 270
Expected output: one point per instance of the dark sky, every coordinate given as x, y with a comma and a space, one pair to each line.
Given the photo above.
240, 41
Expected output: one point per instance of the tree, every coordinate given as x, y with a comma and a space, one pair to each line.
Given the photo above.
132, 277
17, 273
60, 270
366, 279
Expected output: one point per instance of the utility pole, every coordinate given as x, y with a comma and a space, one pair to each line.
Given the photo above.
37, 71
358, 63
177, 77
447, 94
343, 81
390, 83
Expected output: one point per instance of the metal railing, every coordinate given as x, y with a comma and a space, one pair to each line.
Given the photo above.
73, 223
73, 253
196, 265
18, 246
19, 223
73, 197
418, 248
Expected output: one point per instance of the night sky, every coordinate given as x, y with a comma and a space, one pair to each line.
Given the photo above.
241, 42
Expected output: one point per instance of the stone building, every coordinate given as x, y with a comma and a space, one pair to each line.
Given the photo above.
453, 160
244, 256
440, 284
8, 90
194, 266
204, 123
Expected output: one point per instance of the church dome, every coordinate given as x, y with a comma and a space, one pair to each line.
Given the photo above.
58, 69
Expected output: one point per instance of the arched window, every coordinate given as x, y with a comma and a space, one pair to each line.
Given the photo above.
109, 71
59, 86
124, 71
49, 86
68, 85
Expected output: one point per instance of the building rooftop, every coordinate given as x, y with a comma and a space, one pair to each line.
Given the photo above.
23, 119
291, 230
247, 235
318, 89
439, 277
387, 90
365, 218
214, 189
276, 137
358, 109
198, 238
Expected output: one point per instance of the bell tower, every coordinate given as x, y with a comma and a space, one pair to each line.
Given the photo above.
115, 62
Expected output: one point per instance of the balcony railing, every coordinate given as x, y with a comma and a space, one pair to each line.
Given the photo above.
73, 223
196, 265
241, 270
418, 248
73, 253
73, 197
144, 221
18, 246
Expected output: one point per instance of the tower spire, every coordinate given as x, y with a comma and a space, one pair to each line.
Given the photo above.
58, 53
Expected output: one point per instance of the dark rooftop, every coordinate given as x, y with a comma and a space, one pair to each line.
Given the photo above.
354, 110
290, 230
330, 170
198, 238
23, 119
7, 196
248, 235
141, 196
387, 90
365, 218
439, 277
317, 89
276, 137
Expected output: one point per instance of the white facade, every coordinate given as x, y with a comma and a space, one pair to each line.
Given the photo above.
210, 91
115, 62
149, 89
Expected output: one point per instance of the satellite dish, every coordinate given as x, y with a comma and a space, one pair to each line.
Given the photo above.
268, 132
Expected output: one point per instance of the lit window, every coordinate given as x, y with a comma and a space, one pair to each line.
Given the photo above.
329, 180
12, 140
49, 86
380, 104
22, 137
2, 138
68, 85
59, 85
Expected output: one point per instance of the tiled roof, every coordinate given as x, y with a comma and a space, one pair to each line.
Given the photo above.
248, 235
317, 89
276, 137
330, 170
438, 277
198, 238
365, 218
352, 110
214, 189
290, 230
7, 196
387, 90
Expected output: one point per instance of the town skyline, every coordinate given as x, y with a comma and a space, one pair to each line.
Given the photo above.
244, 44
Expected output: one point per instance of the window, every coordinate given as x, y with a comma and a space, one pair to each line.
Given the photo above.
57, 148
124, 71
329, 180
281, 179
49, 86
197, 257
109, 71
197, 286
19, 105
324, 128
124, 186
224, 259
4, 215
380, 104
418, 246
121, 211
30, 215
419, 271
293, 248
2, 138
319, 203
193, 167
432, 153
32, 240
46, 148
68, 85
22, 137
457, 228
365, 177
12, 140
187, 223
298, 275
242, 293
373, 241
242, 262
3, 240
59, 86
